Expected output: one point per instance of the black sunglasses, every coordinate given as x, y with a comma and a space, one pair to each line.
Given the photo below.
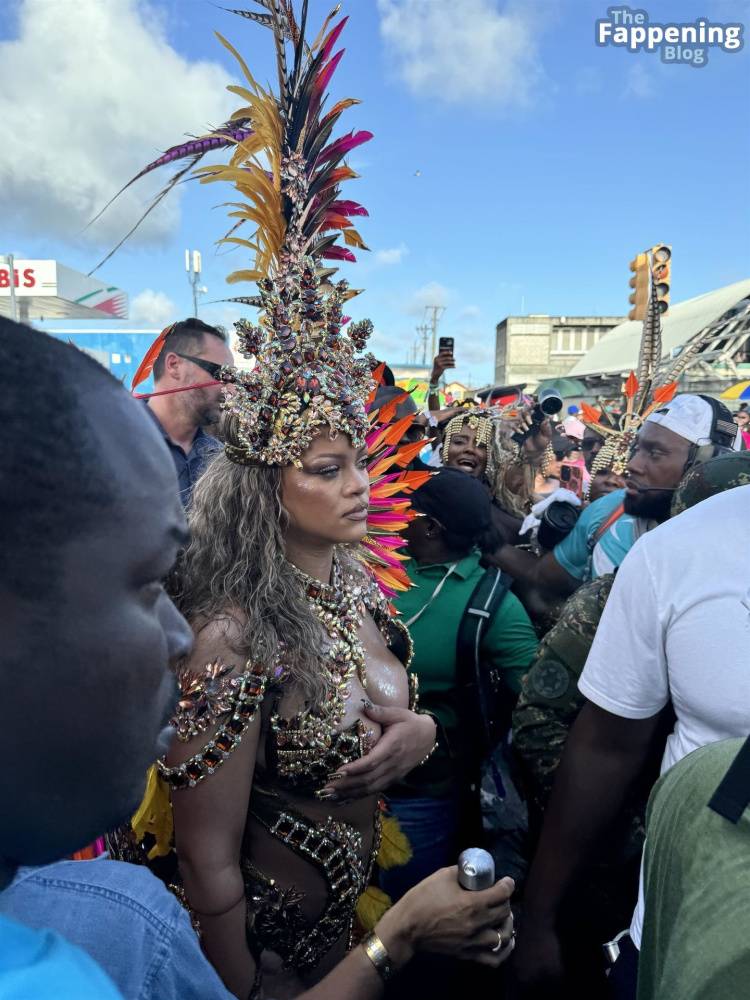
211, 367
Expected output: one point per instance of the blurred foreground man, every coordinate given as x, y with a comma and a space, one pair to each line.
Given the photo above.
697, 879
88, 631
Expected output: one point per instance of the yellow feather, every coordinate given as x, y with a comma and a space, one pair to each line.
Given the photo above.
395, 848
371, 906
237, 276
238, 241
154, 815
353, 239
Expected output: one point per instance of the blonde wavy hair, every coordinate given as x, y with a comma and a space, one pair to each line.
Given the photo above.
234, 569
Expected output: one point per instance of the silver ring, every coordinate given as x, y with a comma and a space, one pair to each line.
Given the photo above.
500, 942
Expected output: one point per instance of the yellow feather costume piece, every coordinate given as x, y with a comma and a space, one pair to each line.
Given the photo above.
253, 159
154, 815
394, 850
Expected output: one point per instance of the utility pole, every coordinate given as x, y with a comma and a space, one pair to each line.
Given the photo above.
422, 337
436, 312
194, 276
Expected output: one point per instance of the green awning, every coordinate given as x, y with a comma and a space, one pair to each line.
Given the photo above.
569, 388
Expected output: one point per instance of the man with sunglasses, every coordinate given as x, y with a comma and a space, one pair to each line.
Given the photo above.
193, 355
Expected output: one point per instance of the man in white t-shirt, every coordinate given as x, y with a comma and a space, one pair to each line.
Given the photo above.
676, 629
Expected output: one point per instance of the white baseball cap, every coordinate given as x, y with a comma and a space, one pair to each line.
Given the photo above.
693, 419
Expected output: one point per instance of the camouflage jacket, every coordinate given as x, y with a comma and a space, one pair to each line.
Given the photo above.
550, 699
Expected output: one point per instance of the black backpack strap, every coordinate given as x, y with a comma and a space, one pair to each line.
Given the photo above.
479, 612
481, 690
732, 797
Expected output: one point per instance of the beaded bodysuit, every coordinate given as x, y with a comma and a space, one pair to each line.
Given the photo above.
301, 753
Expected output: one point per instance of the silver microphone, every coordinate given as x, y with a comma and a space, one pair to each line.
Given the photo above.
476, 869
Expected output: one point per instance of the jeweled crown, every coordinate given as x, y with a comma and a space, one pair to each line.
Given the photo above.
307, 376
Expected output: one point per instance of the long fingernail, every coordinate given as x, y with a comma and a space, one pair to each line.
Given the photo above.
337, 776
326, 794
366, 703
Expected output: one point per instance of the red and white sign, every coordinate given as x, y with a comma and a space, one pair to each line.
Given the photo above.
31, 277
46, 289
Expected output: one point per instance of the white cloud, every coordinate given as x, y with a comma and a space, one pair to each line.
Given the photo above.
393, 256
90, 92
464, 50
470, 312
153, 309
639, 83
431, 294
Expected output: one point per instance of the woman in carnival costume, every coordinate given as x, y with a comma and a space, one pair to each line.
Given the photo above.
294, 712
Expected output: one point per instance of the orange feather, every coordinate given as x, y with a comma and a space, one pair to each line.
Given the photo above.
396, 431
377, 377
388, 412
409, 452
665, 393
631, 386
149, 359
413, 480
590, 413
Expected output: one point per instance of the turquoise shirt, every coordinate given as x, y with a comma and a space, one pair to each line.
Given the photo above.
509, 645
35, 965
585, 558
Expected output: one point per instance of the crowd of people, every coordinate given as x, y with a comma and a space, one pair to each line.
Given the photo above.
559, 677
280, 645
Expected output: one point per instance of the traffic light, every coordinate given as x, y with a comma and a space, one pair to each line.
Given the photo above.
661, 271
640, 285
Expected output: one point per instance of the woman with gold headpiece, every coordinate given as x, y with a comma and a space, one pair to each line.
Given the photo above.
295, 713
479, 442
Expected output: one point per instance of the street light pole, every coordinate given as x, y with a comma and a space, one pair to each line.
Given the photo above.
12, 287
193, 267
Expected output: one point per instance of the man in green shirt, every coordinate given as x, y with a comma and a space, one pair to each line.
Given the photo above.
697, 879
444, 544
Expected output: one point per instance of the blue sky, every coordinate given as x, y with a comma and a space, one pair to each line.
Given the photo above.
514, 162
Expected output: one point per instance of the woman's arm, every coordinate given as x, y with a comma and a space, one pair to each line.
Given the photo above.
210, 818
436, 916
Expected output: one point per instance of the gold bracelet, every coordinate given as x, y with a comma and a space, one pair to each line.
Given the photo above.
378, 955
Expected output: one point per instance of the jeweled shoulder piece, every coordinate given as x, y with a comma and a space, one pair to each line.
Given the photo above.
236, 704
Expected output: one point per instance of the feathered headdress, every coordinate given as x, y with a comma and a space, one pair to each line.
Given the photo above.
287, 171
641, 396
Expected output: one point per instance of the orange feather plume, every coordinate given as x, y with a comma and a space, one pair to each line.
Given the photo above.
665, 393
149, 359
377, 377
631, 386
388, 412
592, 415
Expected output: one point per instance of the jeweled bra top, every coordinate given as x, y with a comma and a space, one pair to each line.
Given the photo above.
302, 751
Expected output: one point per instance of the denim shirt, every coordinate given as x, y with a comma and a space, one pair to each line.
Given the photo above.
189, 467
125, 919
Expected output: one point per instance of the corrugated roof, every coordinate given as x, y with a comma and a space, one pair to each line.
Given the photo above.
618, 351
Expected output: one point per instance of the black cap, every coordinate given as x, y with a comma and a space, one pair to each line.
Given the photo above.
458, 501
